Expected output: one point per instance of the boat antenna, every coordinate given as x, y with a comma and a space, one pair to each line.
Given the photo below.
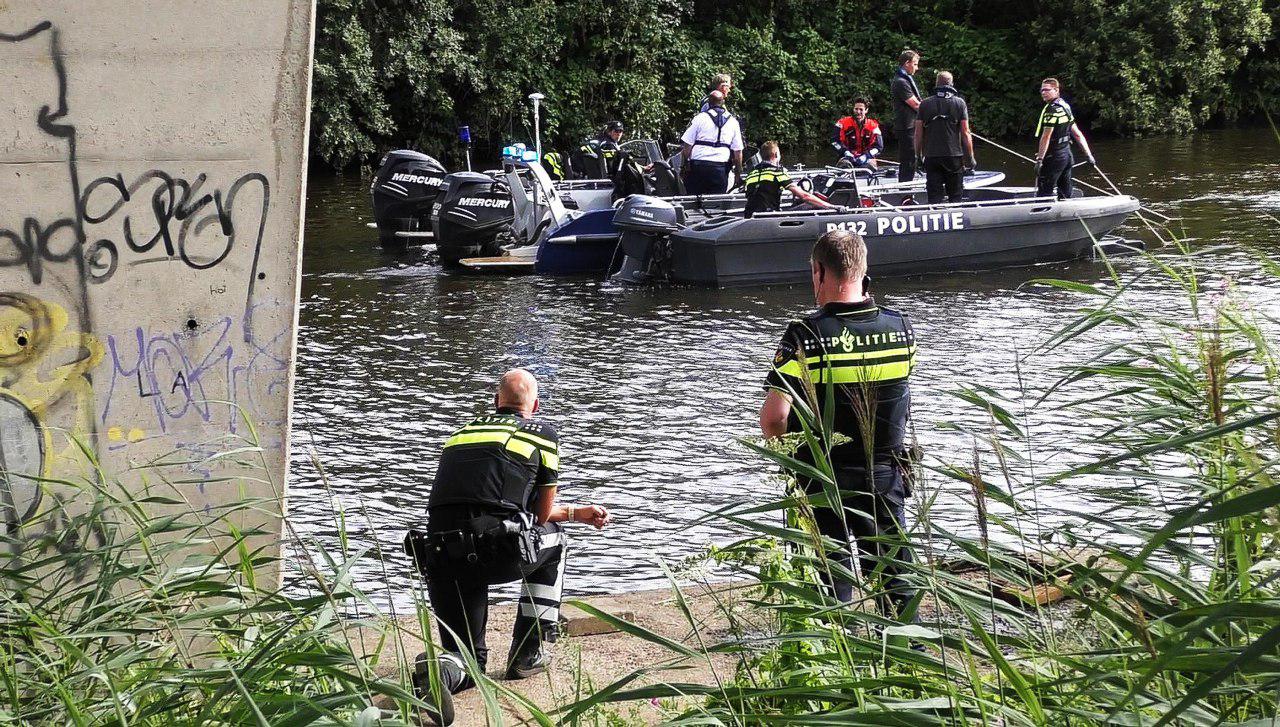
536, 98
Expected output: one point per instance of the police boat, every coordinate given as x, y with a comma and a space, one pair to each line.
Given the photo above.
588, 243
404, 189
998, 227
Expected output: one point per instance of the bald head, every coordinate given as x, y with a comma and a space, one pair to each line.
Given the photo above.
518, 390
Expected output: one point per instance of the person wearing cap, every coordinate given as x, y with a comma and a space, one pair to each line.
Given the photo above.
709, 148
906, 100
596, 157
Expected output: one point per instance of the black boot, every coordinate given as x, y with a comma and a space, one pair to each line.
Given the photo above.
529, 660
453, 679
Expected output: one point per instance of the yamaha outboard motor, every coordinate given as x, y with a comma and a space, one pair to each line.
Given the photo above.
646, 224
473, 217
404, 190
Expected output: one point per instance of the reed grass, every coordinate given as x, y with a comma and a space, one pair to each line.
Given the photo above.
1175, 621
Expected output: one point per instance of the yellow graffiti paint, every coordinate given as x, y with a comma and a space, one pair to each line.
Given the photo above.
44, 380
137, 435
115, 434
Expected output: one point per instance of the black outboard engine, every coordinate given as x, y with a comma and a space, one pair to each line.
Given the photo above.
646, 224
404, 190
473, 217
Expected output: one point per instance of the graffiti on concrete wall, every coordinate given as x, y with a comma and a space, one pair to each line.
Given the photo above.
71, 375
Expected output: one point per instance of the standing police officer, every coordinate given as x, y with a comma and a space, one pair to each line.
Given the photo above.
492, 519
1055, 129
766, 180
866, 353
906, 99
710, 146
942, 134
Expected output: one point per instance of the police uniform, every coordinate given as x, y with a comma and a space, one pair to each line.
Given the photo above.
764, 185
903, 88
489, 474
941, 115
714, 135
865, 353
1055, 168
858, 142
596, 158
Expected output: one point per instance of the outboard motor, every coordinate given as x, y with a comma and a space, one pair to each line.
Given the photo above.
404, 189
472, 218
646, 224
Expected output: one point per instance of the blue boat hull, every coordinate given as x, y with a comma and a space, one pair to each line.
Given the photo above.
583, 245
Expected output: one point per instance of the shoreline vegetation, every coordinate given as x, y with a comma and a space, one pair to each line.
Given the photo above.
407, 73
164, 616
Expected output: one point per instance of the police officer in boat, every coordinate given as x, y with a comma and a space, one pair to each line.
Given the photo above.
710, 147
1055, 130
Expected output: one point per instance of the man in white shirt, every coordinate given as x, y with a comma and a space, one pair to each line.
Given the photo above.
710, 146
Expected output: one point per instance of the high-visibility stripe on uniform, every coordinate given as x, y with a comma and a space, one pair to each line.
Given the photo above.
551, 461
465, 437
524, 449
767, 176
861, 367
535, 439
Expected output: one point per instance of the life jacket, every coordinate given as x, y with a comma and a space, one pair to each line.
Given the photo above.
858, 139
720, 117
554, 162
764, 185
1056, 114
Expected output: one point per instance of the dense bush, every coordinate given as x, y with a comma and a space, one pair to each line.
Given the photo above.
408, 72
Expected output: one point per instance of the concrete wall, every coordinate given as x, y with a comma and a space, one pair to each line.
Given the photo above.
152, 170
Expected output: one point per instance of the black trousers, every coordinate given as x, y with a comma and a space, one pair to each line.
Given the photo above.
944, 179
459, 592
707, 177
875, 520
906, 154
1055, 172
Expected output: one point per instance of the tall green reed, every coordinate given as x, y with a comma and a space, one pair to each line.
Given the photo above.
1176, 621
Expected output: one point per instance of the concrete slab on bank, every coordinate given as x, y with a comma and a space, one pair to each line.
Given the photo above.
593, 656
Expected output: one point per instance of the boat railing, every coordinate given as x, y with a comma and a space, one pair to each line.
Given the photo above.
910, 208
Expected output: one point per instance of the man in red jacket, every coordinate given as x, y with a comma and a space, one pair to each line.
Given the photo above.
857, 139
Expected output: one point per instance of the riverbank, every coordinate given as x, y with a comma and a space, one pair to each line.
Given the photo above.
593, 655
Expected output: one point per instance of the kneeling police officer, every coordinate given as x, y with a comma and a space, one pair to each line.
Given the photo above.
492, 518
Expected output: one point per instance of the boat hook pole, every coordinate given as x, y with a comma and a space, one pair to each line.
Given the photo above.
1024, 157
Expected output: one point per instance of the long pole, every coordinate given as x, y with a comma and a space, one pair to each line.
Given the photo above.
1083, 183
537, 122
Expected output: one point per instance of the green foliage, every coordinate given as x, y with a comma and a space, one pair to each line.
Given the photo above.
395, 73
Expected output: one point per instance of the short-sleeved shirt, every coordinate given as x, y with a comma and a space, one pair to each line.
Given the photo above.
866, 353
1056, 115
764, 185
712, 142
497, 461
901, 88
941, 114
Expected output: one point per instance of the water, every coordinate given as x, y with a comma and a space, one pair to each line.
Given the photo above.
650, 388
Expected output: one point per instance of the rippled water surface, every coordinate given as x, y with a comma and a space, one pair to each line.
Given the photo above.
649, 388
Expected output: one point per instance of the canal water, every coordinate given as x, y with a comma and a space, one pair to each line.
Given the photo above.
650, 389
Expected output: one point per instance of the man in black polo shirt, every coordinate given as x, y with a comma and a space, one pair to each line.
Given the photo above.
492, 519
942, 132
906, 99
866, 352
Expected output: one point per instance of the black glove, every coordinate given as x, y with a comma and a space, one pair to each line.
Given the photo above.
970, 163
1092, 162
1039, 163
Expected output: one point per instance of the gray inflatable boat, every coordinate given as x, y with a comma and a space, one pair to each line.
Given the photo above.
999, 227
